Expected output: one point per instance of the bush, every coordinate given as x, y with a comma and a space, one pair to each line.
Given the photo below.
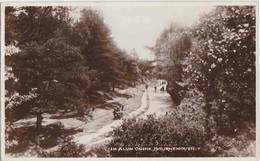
163, 132
68, 148
177, 93
184, 127
222, 66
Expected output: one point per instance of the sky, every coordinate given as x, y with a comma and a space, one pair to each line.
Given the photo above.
135, 26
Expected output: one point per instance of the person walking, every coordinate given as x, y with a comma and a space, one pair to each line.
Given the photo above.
162, 89
146, 86
155, 88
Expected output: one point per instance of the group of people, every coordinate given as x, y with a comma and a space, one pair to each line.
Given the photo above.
163, 86
118, 110
161, 89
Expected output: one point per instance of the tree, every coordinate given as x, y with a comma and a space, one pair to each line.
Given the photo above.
171, 49
42, 68
95, 36
59, 63
27, 24
224, 66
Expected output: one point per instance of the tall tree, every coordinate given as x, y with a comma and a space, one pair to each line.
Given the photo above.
42, 53
224, 66
55, 70
171, 49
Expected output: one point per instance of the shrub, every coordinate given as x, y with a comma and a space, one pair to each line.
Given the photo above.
152, 132
68, 148
222, 66
184, 127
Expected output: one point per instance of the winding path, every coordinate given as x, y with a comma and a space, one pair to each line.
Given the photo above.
100, 135
158, 102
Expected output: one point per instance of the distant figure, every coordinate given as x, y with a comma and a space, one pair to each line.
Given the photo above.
166, 113
146, 86
155, 88
162, 89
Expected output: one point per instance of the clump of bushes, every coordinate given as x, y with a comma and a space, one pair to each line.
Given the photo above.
184, 127
68, 148
167, 131
181, 128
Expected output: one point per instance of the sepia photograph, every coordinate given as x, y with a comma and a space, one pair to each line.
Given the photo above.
137, 80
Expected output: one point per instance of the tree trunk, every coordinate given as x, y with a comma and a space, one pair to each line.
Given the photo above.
39, 121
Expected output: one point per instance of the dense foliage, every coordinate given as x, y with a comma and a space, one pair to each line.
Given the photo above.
68, 148
225, 66
55, 62
170, 132
170, 49
217, 58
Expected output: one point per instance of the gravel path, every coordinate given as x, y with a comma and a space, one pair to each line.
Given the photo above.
99, 136
158, 103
